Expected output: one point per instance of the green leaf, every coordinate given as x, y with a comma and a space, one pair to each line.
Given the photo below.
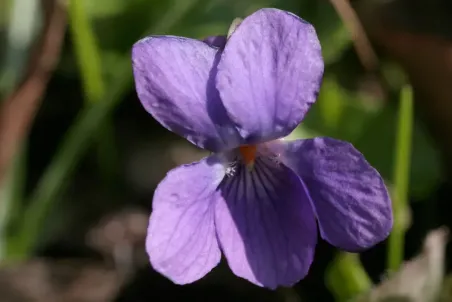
89, 61
370, 127
346, 277
87, 52
378, 142
104, 8
339, 113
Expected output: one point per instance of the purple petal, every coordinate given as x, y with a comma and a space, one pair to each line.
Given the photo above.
181, 240
265, 225
216, 41
174, 79
349, 196
270, 74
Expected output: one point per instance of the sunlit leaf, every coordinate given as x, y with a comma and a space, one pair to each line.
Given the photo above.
370, 126
346, 277
339, 113
378, 142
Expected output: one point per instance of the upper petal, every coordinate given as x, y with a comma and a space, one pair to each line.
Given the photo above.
349, 196
270, 74
265, 225
181, 240
174, 79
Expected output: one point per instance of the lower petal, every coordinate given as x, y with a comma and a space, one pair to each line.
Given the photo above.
349, 196
265, 225
181, 240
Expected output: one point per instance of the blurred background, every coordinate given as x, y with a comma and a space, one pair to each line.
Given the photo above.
80, 158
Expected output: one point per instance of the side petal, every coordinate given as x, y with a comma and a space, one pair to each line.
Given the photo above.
349, 196
174, 79
181, 240
270, 74
265, 225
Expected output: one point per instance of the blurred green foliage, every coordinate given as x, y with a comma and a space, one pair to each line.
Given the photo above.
346, 278
102, 33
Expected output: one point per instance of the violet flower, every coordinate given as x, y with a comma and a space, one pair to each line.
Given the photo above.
257, 199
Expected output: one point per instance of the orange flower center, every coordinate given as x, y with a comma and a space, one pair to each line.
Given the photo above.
248, 153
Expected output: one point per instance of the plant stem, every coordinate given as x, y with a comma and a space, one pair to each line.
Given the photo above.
401, 176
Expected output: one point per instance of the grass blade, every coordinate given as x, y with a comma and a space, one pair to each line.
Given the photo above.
401, 180
87, 52
76, 142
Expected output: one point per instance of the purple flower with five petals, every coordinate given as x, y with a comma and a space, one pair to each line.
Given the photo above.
257, 199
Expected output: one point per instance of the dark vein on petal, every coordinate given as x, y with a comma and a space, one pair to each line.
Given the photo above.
189, 206
193, 240
264, 178
266, 231
247, 224
231, 202
262, 174
209, 228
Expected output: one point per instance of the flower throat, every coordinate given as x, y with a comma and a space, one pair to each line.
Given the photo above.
248, 153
